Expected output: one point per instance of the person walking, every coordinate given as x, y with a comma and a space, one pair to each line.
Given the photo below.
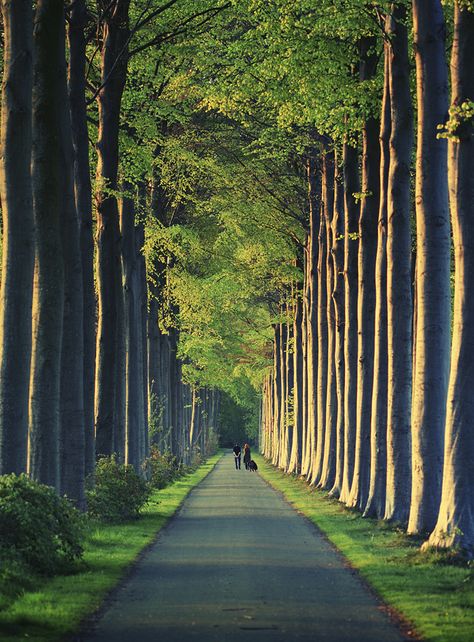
236, 450
247, 456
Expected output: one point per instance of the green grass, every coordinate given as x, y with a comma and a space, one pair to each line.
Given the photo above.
58, 606
432, 590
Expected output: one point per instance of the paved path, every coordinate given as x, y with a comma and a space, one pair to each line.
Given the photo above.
240, 564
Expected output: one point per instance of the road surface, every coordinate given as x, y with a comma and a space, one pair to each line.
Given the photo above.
238, 563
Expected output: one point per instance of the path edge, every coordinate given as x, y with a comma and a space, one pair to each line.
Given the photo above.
87, 625
406, 627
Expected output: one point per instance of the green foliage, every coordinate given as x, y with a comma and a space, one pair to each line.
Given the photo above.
119, 494
40, 534
161, 469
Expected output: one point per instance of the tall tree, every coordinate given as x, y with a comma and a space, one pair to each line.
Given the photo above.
83, 193
455, 523
18, 240
351, 218
366, 274
48, 300
375, 506
433, 301
399, 271
72, 435
110, 359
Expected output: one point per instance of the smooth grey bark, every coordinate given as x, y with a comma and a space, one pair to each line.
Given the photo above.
399, 271
48, 298
18, 234
322, 350
297, 363
312, 325
455, 522
276, 395
307, 437
351, 245
83, 195
110, 348
338, 307
326, 479
378, 429
433, 298
72, 427
284, 436
366, 293
134, 369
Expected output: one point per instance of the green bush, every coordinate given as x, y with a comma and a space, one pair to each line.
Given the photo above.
38, 529
119, 493
161, 469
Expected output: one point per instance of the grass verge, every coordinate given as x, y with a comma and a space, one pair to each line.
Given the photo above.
56, 607
432, 590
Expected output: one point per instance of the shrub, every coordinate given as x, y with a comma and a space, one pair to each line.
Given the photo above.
119, 493
45, 531
161, 469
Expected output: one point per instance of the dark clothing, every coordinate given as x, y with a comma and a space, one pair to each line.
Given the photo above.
247, 458
236, 451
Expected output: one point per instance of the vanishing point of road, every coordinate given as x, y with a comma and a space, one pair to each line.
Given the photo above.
238, 563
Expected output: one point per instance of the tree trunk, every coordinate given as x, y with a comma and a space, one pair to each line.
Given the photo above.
322, 351
312, 341
329, 427
72, 429
48, 300
378, 430
338, 307
134, 372
18, 235
366, 295
433, 299
83, 194
455, 523
351, 244
297, 362
276, 395
399, 270
110, 375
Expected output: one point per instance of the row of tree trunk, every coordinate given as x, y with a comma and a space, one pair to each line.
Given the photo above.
358, 401
85, 368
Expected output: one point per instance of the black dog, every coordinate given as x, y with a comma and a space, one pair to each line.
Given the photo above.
252, 465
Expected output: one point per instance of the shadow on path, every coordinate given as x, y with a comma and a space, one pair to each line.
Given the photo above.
239, 563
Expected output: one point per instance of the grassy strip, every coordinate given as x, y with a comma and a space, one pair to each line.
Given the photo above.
57, 606
429, 589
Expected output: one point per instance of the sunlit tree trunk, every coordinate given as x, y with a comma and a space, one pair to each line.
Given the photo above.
312, 327
297, 363
455, 523
83, 193
110, 351
378, 430
18, 236
284, 356
322, 338
433, 299
399, 271
338, 307
276, 395
351, 243
366, 292
306, 437
329, 450
48, 303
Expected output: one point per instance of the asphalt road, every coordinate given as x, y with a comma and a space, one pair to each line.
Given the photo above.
239, 563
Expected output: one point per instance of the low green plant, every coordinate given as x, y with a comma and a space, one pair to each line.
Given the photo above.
44, 530
40, 534
119, 493
161, 469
